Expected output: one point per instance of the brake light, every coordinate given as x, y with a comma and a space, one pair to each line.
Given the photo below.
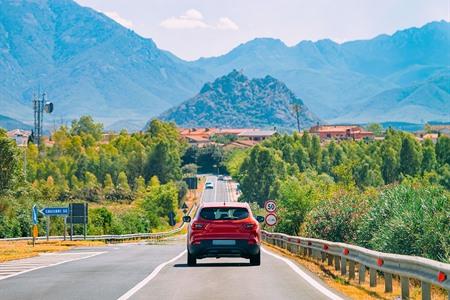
249, 226
198, 226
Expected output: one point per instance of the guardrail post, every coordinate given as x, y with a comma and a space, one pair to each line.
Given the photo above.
404, 282
330, 259
309, 252
337, 262
351, 269
387, 282
362, 273
343, 266
373, 277
323, 256
305, 251
426, 290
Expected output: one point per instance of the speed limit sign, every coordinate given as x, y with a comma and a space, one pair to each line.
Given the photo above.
271, 219
270, 206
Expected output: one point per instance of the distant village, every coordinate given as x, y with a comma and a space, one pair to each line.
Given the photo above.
248, 137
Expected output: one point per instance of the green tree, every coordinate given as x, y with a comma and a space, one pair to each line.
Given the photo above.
9, 165
429, 159
86, 125
443, 150
260, 170
315, 152
390, 165
122, 183
376, 128
410, 157
163, 161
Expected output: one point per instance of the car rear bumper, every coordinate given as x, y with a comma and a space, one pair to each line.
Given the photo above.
207, 249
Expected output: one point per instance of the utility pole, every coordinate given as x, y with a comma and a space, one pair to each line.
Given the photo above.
296, 108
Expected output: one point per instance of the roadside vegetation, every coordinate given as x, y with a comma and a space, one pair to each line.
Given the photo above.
391, 195
132, 181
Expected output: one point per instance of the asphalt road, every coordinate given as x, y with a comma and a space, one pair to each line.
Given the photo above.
159, 271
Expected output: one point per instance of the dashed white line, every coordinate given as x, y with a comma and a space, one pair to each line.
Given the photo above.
305, 276
147, 279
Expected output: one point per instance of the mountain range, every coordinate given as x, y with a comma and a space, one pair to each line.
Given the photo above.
236, 101
89, 64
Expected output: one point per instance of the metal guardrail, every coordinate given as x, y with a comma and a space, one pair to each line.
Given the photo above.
345, 257
112, 237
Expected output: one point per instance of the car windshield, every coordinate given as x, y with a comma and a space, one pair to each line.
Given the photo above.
224, 213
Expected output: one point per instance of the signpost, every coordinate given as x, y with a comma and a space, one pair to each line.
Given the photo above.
34, 217
271, 218
270, 206
54, 212
185, 208
172, 221
78, 214
191, 182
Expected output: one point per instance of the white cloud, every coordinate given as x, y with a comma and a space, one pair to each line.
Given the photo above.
226, 24
116, 17
193, 18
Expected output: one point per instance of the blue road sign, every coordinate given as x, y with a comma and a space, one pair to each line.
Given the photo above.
34, 214
55, 211
172, 221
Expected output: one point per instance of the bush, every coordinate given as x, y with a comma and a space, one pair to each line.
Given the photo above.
337, 219
411, 220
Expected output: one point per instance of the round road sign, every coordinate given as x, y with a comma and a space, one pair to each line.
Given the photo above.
271, 219
270, 206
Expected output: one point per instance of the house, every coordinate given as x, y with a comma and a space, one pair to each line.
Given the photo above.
256, 134
341, 132
20, 136
244, 137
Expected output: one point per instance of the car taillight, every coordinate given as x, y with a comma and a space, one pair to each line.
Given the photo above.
198, 226
249, 226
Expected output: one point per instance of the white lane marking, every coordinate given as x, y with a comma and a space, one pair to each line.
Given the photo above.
215, 189
46, 265
305, 276
147, 279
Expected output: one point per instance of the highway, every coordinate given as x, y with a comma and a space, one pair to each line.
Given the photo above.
159, 271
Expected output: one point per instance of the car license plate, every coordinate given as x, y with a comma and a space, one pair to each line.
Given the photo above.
224, 242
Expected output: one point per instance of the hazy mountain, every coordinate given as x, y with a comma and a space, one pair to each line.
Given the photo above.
236, 101
9, 124
428, 100
333, 78
87, 63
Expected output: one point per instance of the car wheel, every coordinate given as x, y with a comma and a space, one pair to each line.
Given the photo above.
191, 259
255, 260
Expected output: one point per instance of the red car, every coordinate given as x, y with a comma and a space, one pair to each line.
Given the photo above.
224, 229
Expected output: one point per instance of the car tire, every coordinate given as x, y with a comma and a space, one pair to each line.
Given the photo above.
191, 259
255, 260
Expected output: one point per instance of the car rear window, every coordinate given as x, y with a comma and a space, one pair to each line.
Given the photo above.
224, 213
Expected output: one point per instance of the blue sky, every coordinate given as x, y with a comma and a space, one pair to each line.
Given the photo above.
194, 28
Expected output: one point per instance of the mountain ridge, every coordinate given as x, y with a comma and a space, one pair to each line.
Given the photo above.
234, 100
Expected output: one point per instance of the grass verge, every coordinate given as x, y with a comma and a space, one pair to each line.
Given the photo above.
24, 249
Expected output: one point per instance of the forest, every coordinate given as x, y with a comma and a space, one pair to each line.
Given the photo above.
132, 181
391, 195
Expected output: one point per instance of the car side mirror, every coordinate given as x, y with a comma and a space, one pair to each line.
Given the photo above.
186, 219
260, 219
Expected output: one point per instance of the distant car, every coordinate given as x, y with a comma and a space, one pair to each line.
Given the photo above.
224, 229
220, 177
209, 185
